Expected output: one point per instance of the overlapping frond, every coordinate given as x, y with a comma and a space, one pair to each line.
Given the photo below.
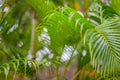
65, 26
99, 11
23, 66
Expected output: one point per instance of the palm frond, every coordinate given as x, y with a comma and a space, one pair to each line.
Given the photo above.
65, 26
24, 66
104, 47
99, 11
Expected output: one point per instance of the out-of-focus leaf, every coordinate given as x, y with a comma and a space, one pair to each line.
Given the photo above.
42, 7
59, 2
116, 5
99, 11
10, 22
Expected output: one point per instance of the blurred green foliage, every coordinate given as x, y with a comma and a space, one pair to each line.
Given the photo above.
70, 39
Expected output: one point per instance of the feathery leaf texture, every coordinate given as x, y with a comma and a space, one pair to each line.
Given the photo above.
104, 41
65, 26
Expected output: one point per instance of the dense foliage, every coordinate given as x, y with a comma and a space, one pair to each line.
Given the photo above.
59, 39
